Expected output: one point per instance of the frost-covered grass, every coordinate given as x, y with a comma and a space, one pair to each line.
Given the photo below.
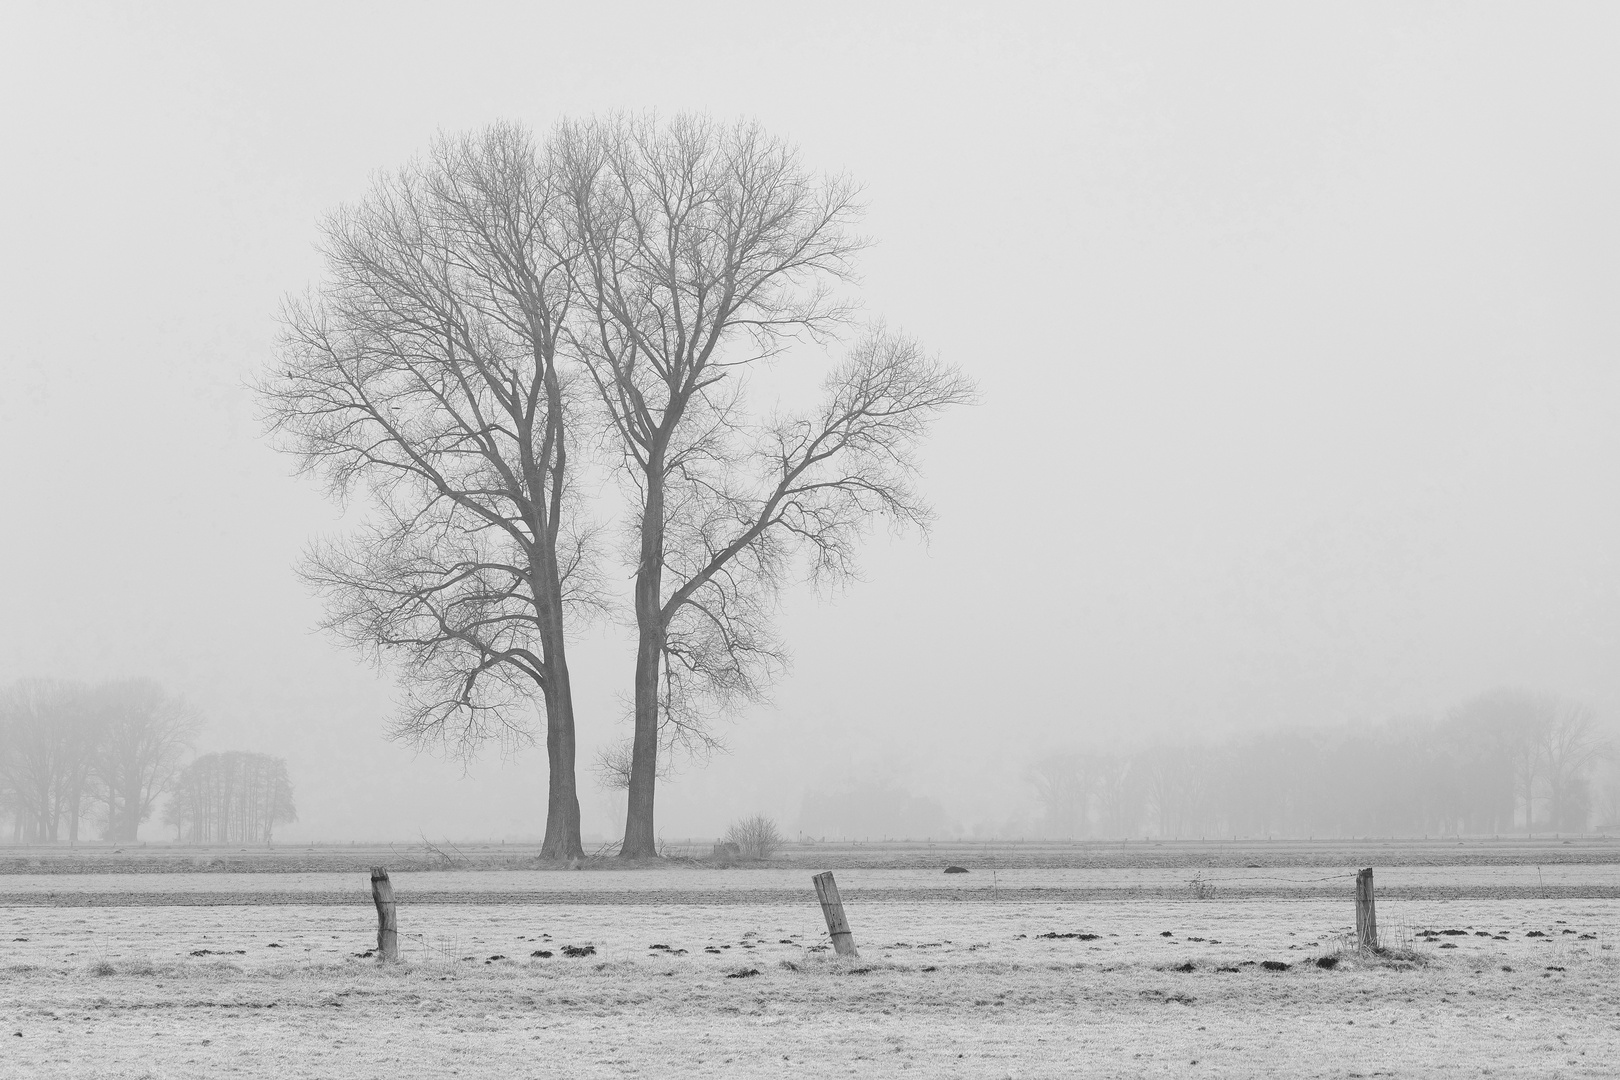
1216, 931
878, 1017
274, 985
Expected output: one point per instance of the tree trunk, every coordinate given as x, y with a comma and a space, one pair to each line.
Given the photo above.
639, 839
562, 798
52, 818
562, 788
640, 842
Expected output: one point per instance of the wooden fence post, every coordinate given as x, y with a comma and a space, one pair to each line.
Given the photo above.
382, 893
1366, 915
832, 906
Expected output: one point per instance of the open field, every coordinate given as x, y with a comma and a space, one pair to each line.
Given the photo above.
182, 973
1247, 853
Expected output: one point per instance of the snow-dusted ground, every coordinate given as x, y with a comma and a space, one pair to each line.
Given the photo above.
958, 1013
1212, 931
265, 974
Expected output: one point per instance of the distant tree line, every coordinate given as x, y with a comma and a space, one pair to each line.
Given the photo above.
1506, 761
94, 759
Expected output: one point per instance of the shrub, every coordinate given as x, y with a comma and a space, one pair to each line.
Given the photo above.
756, 837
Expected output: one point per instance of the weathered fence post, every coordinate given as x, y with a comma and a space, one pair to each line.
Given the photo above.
382, 893
832, 906
1366, 915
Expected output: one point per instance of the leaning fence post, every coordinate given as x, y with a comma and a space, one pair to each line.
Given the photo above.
1366, 915
382, 893
832, 906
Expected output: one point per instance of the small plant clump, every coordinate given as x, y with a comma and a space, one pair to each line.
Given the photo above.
756, 837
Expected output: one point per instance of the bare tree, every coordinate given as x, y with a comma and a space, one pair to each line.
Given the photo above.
81, 730
1120, 794
1175, 780
1569, 745
426, 372
612, 765
1608, 792
1063, 783
48, 739
144, 733
705, 250
1510, 720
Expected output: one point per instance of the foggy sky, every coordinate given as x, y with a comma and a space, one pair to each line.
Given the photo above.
1295, 327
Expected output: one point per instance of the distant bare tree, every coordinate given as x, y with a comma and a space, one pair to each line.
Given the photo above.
1175, 780
1569, 744
1119, 794
1608, 792
1550, 744
234, 797
706, 249
426, 372
1510, 720
144, 733
1478, 772
1063, 784
612, 765
49, 731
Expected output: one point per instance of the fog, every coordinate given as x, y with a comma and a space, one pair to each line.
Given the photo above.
1294, 330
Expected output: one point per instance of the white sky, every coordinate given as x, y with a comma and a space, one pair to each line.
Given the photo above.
1295, 324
